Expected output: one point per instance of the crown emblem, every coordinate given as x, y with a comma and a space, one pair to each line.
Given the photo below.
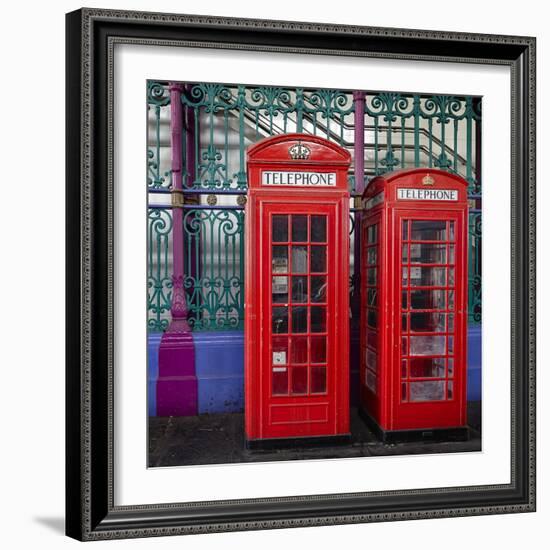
299, 151
428, 180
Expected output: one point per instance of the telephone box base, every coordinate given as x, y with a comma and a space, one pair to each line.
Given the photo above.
406, 436
296, 442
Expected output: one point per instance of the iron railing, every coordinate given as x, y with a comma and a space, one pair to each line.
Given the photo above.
221, 121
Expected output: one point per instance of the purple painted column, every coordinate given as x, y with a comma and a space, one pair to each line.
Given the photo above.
177, 381
359, 173
359, 143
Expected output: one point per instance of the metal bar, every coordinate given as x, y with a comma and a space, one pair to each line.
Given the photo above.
179, 302
359, 133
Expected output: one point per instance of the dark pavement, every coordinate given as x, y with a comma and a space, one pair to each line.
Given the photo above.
219, 439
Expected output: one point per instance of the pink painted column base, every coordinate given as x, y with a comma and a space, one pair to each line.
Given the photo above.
177, 392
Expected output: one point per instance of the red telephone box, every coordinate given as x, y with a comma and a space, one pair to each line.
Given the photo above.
414, 304
296, 291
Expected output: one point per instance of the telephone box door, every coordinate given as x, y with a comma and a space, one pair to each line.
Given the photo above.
298, 381
296, 291
430, 336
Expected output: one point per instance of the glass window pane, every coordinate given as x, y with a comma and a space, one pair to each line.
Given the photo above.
279, 261
372, 296
318, 380
318, 349
451, 276
428, 367
318, 229
372, 254
299, 229
279, 229
405, 254
451, 323
298, 349
279, 289
318, 288
318, 319
372, 318
371, 276
279, 381
404, 391
428, 253
404, 345
451, 254
450, 368
428, 276
371, 360
427, 345
404, 300
372, 234
279, 321
299, 380
427, 322
405, 277
370, 380
451, 299
299, 289
279, 350
427, 391
404, 230
404, 323
428, 230
427, 299
452, 231
450, 389
299, 259
299, 319
451, 344
318, 259
404, 368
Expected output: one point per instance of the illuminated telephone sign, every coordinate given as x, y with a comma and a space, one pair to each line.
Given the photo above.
414, 303
296, 291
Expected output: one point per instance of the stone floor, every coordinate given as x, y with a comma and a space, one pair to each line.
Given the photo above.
219, 439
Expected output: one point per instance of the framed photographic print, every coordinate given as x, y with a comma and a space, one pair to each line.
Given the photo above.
295, 250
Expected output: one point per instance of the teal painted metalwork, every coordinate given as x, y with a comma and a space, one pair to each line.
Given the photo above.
474, 268
401, 131
214, 268
418, 127
255, 113
158, 101
159, 268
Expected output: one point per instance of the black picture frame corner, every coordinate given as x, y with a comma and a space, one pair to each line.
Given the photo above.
90, 510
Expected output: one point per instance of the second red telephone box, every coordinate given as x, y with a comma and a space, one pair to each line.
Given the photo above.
414, 304
296, 285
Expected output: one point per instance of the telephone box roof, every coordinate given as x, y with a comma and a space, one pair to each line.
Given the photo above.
391, 177
276, 149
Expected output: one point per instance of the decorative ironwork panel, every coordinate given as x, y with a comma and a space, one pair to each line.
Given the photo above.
230, 118
221, 121
158, 150
474, 268
409, 131
159, 268
214, 268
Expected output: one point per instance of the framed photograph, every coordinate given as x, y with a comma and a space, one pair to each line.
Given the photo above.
300, 274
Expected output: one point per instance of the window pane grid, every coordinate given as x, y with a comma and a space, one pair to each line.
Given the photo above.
429, 345
299, 305
371, 285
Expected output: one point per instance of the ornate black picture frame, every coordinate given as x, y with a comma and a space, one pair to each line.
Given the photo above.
90, 509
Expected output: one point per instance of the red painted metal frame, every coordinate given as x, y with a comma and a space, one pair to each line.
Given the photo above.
387, 407
319, 415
